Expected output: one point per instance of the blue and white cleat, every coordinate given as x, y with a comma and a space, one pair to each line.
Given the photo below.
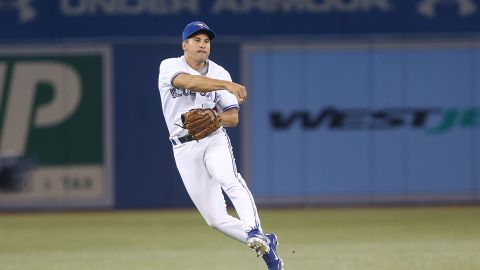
271, 258
258, 242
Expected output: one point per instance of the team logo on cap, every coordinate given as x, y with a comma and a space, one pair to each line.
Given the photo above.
201, 25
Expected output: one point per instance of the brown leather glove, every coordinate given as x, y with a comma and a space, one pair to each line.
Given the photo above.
201, 122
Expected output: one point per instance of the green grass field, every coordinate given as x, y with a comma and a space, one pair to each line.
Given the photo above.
332, 239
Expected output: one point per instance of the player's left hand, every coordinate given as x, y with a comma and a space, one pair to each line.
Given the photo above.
201, 122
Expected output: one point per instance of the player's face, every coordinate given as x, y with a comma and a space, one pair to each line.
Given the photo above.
197, 47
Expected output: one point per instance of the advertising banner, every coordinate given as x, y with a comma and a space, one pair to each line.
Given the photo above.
34, 19
366, 121
55, 111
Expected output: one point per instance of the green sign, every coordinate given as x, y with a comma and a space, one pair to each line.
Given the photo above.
53, 110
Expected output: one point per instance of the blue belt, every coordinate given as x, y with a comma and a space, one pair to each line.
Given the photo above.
180, 140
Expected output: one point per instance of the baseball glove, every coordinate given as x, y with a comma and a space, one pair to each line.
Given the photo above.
201, 122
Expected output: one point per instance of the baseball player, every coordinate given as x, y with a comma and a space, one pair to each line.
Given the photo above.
195, 90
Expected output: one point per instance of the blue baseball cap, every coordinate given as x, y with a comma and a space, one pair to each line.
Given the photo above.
196, 27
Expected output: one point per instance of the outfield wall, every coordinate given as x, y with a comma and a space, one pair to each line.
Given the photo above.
373, 121
329, 121
363, 101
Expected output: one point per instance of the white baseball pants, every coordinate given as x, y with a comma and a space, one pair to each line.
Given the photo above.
207, 167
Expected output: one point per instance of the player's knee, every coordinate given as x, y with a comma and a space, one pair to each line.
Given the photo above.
216, 223
231, 186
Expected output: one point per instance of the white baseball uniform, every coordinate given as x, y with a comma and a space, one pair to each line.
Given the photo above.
207, 166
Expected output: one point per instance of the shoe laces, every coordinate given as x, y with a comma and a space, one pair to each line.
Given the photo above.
254, 232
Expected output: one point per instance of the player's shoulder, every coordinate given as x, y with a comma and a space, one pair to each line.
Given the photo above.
171, 61
218, 68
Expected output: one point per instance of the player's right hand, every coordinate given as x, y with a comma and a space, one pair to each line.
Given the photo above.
239, 91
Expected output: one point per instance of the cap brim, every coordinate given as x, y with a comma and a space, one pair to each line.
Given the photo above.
208, 32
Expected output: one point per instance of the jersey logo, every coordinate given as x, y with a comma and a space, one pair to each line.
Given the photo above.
179, 92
